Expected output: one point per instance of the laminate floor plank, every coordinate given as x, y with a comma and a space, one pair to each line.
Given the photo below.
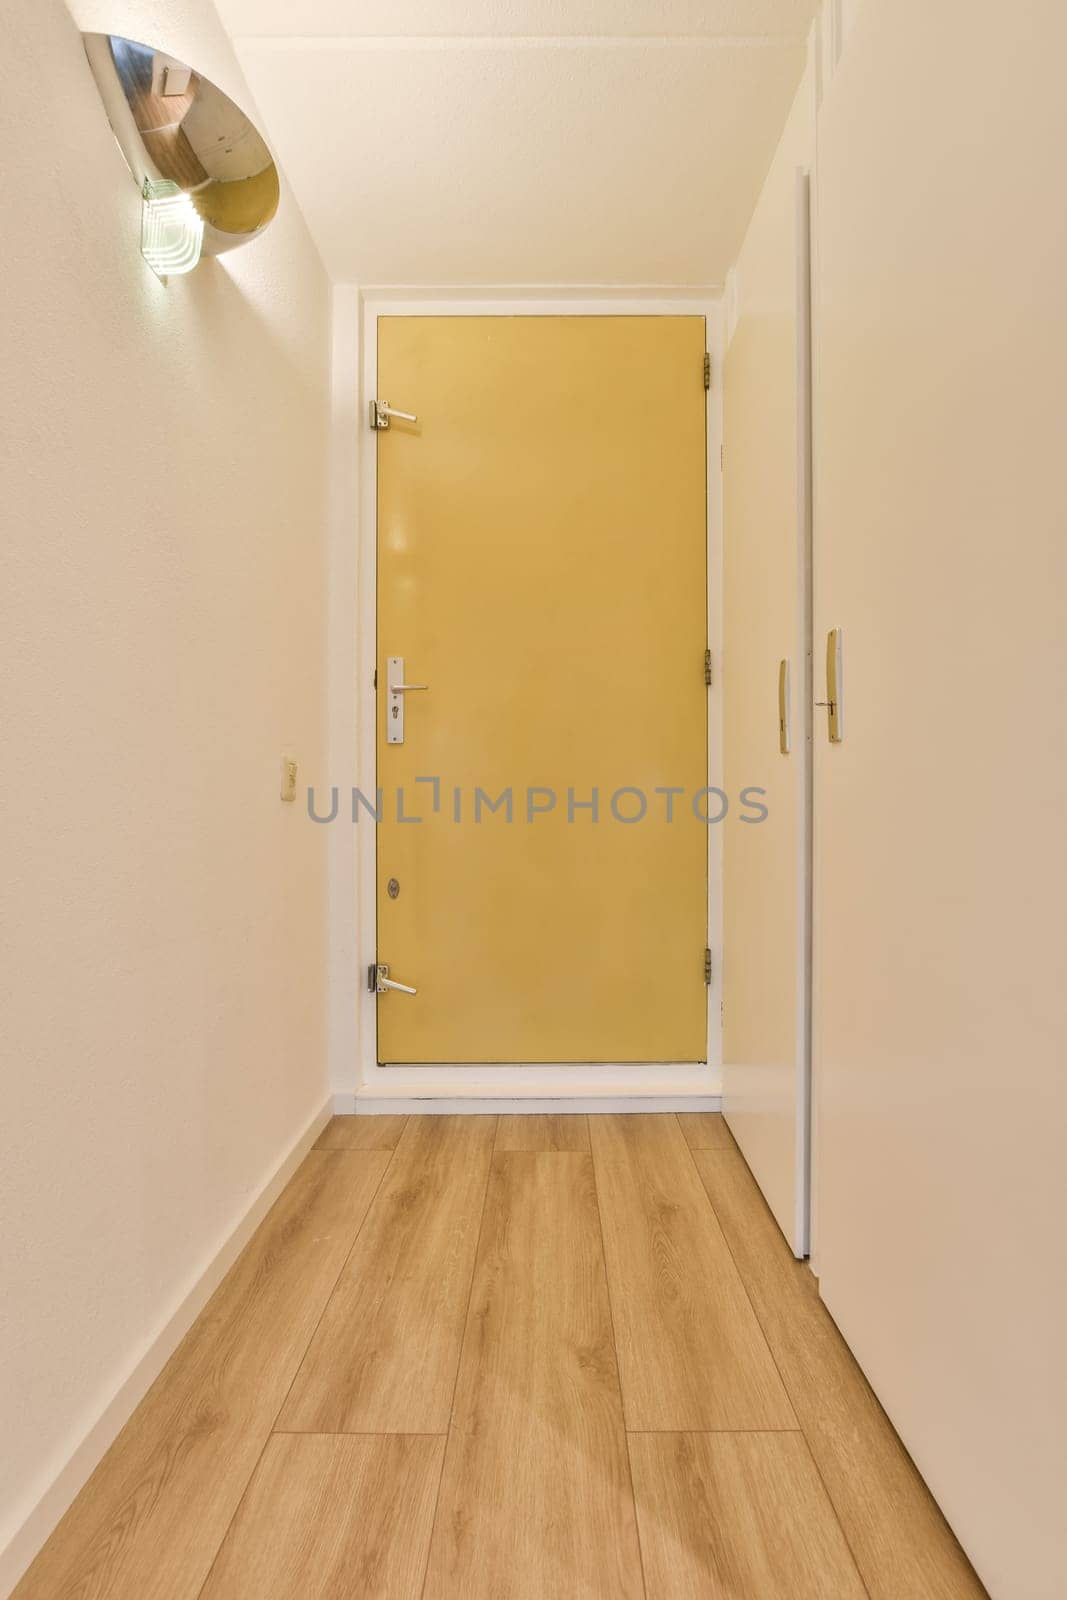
328, 1515
536, 1499
529, 1303
737, 1516
385, 1355
903, 1546
705, 1130
361, 1133
543, 1132
692, 1357
149, 1522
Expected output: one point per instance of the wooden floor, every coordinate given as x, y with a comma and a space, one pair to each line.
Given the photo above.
549, 1358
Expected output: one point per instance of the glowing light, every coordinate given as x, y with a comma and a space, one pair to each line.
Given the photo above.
172, 230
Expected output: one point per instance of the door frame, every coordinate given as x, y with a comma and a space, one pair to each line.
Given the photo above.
579, 1085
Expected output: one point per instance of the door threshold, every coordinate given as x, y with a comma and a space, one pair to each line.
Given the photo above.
476, 1105
517, 1090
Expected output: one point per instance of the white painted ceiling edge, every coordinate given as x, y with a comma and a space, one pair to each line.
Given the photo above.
530, 143
515, 18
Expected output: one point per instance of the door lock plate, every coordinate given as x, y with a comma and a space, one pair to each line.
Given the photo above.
396, 689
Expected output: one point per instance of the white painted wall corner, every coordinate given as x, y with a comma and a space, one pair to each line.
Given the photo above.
24, 1544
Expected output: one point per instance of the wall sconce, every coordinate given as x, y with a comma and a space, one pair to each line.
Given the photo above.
172, 229
207, 179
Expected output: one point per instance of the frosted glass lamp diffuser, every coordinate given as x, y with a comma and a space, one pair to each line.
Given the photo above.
172, 230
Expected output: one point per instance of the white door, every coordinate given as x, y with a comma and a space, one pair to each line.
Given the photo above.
766, 606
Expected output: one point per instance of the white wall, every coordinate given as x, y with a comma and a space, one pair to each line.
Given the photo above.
941, 871
163, 485
765, 575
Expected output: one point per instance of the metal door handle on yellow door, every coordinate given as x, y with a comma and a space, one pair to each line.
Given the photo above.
394, 682
380, 413
380, 981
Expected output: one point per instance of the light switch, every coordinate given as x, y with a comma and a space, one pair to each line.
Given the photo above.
288, 778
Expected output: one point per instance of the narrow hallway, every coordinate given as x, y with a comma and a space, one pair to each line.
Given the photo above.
533, 590
525, 1356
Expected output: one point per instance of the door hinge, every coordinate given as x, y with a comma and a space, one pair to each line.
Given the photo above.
707, 369
707, 967
707, 668
722, 458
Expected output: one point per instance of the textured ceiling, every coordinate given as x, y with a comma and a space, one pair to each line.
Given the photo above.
533, 142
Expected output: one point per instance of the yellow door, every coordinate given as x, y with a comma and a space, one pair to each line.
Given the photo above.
542, 570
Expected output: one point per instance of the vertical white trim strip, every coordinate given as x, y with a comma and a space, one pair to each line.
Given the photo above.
342, 676
806, 717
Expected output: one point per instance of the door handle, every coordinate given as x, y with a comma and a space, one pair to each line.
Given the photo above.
832, 704
784, 730
381, 411
396, 690
379, 981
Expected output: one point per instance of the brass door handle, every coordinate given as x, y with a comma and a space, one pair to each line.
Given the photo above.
832, 703
784, 731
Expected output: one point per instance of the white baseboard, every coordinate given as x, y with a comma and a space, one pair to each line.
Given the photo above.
25, 1543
